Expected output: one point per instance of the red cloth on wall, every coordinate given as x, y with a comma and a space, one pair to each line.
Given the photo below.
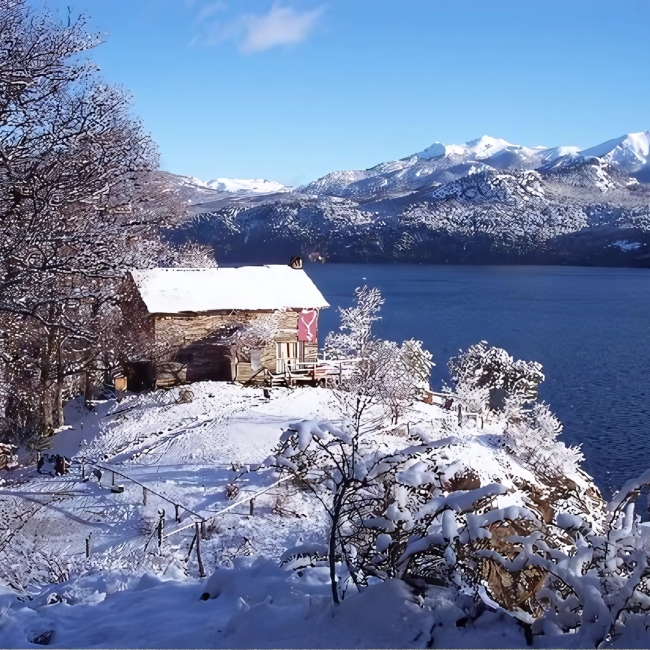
308, 325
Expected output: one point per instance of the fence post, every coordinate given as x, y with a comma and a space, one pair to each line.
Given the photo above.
250, 512
89, 549
83, 470
176, 513
161, 527
460, 416
144, 496
113, 478
203, 528
198, 550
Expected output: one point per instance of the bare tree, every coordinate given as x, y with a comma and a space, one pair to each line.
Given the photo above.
80, 201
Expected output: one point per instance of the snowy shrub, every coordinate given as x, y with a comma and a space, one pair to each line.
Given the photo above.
488, 380
532, 436
473, 399
593, 581
487, 367
245, 333
395, 514
343, 468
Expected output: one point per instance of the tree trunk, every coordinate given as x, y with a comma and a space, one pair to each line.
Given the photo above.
338, 503
46, 412
58, 396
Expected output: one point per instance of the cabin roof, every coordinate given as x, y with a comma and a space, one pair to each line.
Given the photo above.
172, 291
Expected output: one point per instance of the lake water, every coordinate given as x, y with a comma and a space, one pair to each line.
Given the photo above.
589, 327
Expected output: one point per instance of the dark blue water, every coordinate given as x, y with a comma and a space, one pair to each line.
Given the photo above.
589, 327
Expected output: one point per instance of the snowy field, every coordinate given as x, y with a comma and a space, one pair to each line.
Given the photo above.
132, 593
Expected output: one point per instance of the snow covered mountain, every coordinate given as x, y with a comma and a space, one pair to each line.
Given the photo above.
441, 163
256, 186
194, 190
486, 201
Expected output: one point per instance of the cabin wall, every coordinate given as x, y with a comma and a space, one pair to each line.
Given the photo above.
137, 338
198, 349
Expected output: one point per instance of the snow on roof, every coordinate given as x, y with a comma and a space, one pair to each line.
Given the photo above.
173, 291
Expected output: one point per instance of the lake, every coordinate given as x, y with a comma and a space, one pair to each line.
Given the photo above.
589, 327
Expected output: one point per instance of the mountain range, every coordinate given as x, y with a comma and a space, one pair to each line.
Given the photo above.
486, 201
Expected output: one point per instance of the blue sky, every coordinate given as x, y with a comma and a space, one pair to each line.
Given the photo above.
291, 90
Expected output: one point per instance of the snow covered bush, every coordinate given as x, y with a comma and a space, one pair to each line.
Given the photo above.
405, 514
393, 514
594, 580
486, 367
244, 334
532, 435
346, 471
489, 381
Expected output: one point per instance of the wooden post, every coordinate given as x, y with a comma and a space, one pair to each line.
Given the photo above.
113, 479
144, 496
176, 511
83, 470
198, 550
89, 549
161, 527
460, 417
203, 529
250, 512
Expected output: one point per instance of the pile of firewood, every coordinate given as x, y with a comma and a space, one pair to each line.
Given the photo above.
8, 459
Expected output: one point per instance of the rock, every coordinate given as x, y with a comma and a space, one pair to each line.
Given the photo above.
44, 638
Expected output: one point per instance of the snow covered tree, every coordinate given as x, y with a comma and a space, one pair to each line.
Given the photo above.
379, 372
243, 335
80, 201
356, 325
394, 514
343, 468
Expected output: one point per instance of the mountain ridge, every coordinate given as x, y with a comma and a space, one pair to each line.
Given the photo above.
487, 201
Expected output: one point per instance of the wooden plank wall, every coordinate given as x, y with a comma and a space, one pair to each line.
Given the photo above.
192, 335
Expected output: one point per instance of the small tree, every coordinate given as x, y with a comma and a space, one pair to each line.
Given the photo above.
356, 325
343, 468
381, 372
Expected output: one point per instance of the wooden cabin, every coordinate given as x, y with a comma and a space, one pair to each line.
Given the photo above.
225, 324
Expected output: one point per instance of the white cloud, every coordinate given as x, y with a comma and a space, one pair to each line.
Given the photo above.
280, 26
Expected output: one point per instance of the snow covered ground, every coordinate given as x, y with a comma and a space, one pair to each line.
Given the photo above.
130, 593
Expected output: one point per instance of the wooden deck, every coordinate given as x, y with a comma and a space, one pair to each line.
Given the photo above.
305, 373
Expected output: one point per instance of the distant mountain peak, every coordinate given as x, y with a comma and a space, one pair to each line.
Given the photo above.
630, 152
482, 147
239, 185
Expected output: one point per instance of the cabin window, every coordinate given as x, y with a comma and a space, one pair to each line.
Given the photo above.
289, 354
